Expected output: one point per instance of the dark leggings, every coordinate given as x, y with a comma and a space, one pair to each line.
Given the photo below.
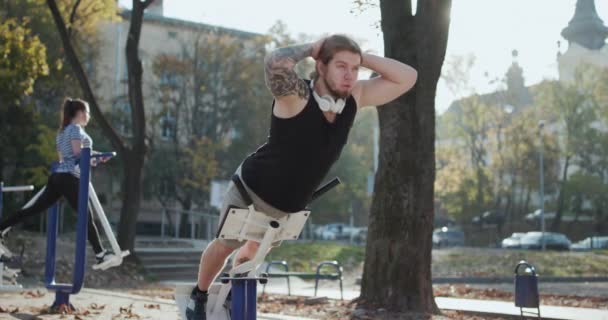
58, 185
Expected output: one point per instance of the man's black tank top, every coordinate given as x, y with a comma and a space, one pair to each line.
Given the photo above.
290, 166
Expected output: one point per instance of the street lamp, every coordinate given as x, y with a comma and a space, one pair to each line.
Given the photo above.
541, 125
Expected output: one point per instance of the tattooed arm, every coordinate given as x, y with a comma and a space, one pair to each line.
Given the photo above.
281, 78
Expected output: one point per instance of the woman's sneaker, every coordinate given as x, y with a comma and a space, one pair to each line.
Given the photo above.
5, 253
106, 260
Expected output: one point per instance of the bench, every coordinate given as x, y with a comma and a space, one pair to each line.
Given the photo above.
336, 275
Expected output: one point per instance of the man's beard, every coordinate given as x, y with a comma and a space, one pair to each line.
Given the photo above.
334, 93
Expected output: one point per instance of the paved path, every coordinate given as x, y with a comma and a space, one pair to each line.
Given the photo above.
116, 303
31, 302
480, 306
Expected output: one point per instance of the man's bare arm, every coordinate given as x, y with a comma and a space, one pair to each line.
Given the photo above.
395, 79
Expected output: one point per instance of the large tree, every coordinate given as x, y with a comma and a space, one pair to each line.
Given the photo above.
132, 152
570, 105
397, 271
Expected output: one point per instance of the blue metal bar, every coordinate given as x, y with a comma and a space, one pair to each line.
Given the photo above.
83, 217
63, 291
250, 299
103, 155
238, 300
51, 235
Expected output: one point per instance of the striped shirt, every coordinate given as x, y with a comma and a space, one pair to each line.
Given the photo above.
64, 140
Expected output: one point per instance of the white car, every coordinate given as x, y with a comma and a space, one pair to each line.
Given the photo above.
553, 241
586, 244
512, 242
336, 231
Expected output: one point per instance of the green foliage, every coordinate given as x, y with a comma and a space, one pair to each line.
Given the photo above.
200, 166
214, 95
492, 263
83, 25
23, 61
489, 159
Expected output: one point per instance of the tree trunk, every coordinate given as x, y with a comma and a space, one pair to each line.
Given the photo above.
397, 270
136, 156
479, 198
185, 220
527, 202
560, 202
511, 201
130, 200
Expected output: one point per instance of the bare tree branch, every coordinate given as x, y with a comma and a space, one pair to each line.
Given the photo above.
146, 3
73, 17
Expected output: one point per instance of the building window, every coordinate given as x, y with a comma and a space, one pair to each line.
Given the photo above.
122, 117
167, 130
169, 79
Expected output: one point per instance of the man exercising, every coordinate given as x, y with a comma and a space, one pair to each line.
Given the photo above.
309, 127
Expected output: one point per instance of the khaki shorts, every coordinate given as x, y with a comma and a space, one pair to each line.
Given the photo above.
233, 198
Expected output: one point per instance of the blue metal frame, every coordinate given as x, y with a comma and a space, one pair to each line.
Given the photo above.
244, 299
63, 291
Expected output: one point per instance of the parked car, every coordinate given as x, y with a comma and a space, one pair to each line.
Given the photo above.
489, 218
448, 237
513, 242
335, 231
553, 241
360, 235
536, 216
591, 243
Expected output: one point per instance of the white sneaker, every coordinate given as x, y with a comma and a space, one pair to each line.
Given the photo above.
108, 260
3, 233
5, 253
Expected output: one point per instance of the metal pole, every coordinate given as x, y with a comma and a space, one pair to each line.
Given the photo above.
1, 191
162, 223
191, 224
541, 124
177, 223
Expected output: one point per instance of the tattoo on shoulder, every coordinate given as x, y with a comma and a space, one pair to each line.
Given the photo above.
281, 77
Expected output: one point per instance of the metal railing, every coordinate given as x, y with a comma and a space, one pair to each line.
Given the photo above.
198, 225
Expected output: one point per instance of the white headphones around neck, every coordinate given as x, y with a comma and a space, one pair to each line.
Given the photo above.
327, 103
